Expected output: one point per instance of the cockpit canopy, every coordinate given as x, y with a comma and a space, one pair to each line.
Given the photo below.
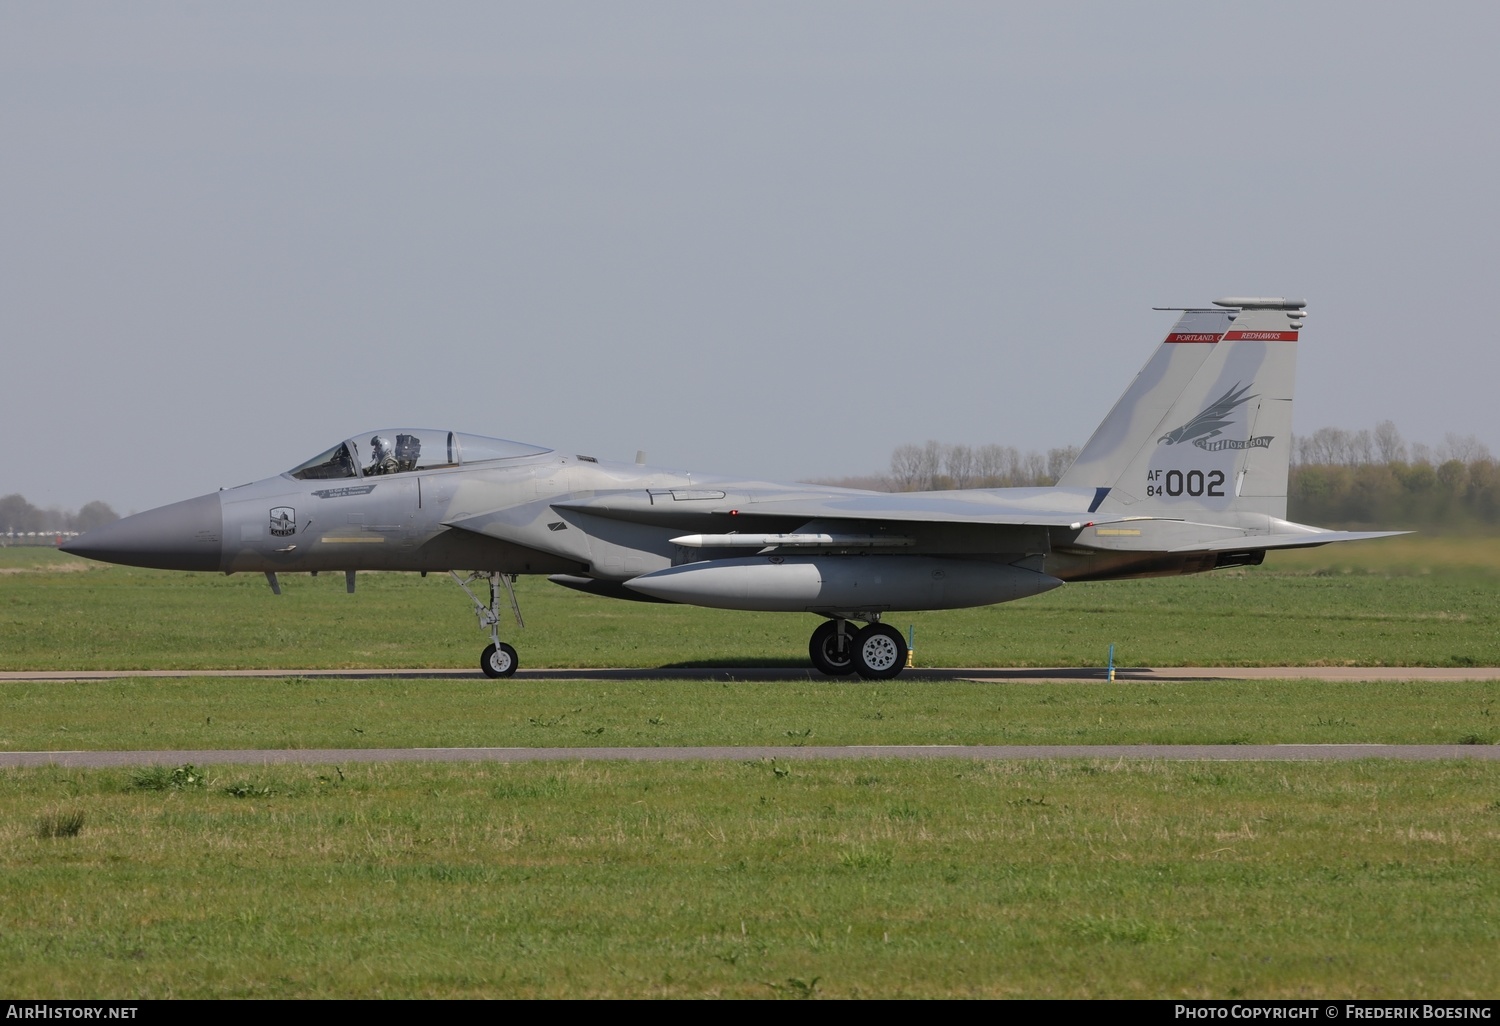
398, 450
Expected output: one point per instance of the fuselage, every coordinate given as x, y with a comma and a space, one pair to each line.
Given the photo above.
522, 509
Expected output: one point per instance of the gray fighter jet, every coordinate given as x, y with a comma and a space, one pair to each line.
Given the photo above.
1187, 473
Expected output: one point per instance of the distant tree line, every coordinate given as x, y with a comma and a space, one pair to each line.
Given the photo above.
939, 465
1338, 478
17, 516
936, 465
1358, 478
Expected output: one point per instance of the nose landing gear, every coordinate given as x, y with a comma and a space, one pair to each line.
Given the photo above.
498, 659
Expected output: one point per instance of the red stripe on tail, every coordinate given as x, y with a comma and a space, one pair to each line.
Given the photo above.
1260, 336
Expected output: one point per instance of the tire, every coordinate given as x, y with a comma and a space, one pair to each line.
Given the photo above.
823, 649
498, 662
879, 652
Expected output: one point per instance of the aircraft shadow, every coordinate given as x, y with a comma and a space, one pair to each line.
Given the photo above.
737, 664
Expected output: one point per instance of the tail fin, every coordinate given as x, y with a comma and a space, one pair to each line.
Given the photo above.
1205, 427
1142, 408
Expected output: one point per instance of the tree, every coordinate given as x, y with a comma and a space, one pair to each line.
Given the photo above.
18, 515
1034, 469
1361, 447
1463, 448
906, 467
932, 464
94, 514
1388, 443
959, 463
997, 465
1059, 460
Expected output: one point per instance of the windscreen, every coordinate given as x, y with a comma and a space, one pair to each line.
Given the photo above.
336, 462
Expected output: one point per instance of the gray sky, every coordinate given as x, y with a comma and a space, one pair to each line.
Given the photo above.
765, 239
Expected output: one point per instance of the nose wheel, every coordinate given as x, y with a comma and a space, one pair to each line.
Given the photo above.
498, 660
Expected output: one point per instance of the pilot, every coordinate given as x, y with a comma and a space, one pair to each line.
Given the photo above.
382, 461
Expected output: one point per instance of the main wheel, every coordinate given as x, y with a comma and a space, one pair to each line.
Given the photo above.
498, 662
827, 653
879, 652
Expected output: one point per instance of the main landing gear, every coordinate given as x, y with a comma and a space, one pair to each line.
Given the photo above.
498, 658
875, 651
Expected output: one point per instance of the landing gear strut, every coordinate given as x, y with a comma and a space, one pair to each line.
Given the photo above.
498, 659
875, 651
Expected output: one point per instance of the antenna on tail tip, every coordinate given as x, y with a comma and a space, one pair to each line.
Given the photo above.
1261, 303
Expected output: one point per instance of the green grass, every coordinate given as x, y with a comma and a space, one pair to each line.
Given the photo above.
860, 879
1080, 878
194, 713
1398, 602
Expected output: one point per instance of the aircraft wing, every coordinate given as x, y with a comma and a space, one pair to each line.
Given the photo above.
750, 517
895, 507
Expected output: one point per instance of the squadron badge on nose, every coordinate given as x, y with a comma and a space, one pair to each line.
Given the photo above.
283, 521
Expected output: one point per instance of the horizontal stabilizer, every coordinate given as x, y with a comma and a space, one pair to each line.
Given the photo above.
1300, 540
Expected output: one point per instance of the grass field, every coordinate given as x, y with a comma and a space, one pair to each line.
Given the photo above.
1396, 602
207, 712
1077, 878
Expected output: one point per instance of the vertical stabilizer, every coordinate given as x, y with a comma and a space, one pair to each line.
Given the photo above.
1223, 441
1142, 409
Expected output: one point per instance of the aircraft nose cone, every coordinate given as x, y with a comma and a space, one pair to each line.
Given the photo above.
183, 536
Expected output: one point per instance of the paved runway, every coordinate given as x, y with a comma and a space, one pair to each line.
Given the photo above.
337, 756
1022, 675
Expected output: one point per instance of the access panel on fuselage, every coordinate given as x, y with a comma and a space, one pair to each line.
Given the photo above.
350, 524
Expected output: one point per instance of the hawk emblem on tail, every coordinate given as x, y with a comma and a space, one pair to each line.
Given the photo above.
1214, 418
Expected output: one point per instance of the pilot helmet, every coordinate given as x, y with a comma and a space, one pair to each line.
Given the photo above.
378, 443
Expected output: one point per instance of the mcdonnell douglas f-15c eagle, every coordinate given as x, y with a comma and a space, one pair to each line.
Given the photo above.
1187, 473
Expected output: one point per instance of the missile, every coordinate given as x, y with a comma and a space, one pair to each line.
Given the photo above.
802, 538
828, 584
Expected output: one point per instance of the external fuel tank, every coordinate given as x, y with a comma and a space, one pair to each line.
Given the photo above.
827, 584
